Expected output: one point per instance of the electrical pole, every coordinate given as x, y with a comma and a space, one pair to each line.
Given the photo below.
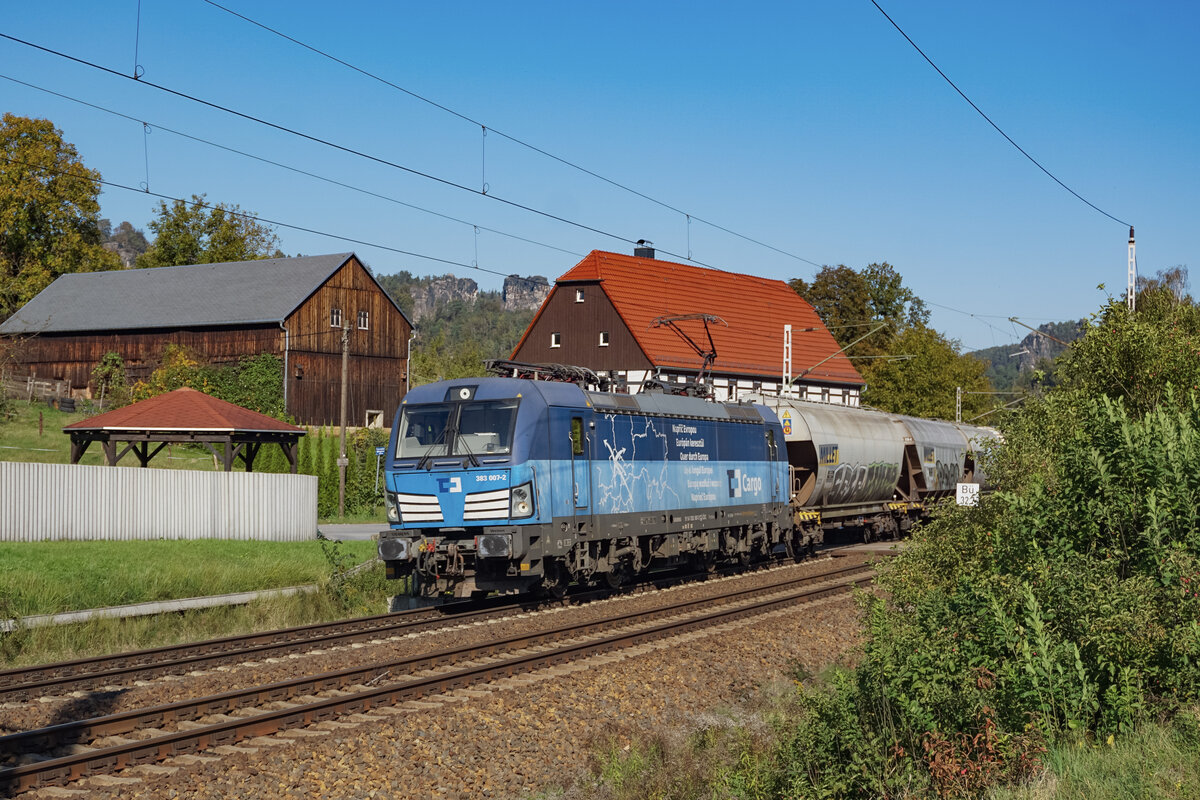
1131, 295
787, 361
342, 461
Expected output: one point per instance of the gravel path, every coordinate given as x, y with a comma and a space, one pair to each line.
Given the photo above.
513, 738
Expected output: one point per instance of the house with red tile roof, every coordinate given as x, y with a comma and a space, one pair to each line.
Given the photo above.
638, 318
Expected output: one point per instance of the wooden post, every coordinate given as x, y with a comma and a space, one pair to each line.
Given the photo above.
342, 460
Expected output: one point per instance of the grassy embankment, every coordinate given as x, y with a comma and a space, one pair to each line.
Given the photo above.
49, 577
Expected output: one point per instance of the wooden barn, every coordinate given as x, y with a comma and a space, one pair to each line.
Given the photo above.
638, 318
293, 308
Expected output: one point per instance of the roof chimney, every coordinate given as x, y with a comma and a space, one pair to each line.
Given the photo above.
644, 249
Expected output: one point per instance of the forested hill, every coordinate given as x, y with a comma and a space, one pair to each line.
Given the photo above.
459, 326
1011, 365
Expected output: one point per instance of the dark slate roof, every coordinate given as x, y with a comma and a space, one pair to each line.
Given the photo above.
230, 293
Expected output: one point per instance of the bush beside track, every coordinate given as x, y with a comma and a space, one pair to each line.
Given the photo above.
1059, 617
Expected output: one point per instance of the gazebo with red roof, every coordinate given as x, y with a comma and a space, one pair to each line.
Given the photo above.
184, 416
606, 313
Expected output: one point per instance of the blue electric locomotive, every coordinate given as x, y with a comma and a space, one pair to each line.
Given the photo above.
510, 485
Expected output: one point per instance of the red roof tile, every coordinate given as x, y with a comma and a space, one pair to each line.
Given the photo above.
184, 409
756, 309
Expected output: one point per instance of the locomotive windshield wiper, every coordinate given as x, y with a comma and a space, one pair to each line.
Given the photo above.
462, 440
427, 460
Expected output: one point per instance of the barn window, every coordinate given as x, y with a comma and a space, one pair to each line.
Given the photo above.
604, 338
579, 295
556, 339
364, 318
335, 318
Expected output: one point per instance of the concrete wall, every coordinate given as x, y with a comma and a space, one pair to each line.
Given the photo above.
74, 502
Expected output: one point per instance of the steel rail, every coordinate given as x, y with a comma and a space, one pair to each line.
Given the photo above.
73, 767
58, 678
27, 682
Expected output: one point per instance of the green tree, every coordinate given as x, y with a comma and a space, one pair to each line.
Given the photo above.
851, 302
922, 377
440, 360
1132, 356
206, 233
125, 235
49, 211
909, 368
112, 389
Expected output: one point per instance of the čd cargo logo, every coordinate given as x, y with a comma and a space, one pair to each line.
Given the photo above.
739, 483
451, 485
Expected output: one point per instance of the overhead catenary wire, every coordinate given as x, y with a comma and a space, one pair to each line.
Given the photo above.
515, 140
978, 110
281, 165
342, 148
256, 218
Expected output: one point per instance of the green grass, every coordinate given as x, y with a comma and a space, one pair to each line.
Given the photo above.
49, 577
35, 434
363, 594
1153, 761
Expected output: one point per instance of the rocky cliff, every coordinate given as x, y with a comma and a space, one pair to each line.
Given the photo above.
428, 297
524, 294
1007, 362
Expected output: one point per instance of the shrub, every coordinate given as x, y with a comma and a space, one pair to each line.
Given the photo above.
1066, 608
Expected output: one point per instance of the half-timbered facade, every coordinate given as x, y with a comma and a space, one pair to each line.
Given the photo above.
608, 314
294, 308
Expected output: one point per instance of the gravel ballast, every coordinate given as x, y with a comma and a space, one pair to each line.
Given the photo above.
512, 738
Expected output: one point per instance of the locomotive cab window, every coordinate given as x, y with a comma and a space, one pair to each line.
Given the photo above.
485, 427
423, 430
576, 436
477, 427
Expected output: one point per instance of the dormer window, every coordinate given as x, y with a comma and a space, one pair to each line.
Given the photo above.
579, 295
335, 318
556, 339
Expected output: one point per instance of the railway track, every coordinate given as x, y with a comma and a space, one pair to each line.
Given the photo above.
119, 669
67, 752
82, 674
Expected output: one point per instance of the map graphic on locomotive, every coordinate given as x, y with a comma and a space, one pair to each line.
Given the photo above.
515, 485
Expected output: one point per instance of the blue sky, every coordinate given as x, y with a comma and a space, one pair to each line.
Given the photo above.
812, 127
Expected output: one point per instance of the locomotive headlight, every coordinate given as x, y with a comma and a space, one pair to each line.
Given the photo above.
521, 502
391, 549
393, 509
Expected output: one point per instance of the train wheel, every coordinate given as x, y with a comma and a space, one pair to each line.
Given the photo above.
556, 581
617, 577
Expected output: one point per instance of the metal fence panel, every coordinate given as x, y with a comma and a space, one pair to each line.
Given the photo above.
75, 502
